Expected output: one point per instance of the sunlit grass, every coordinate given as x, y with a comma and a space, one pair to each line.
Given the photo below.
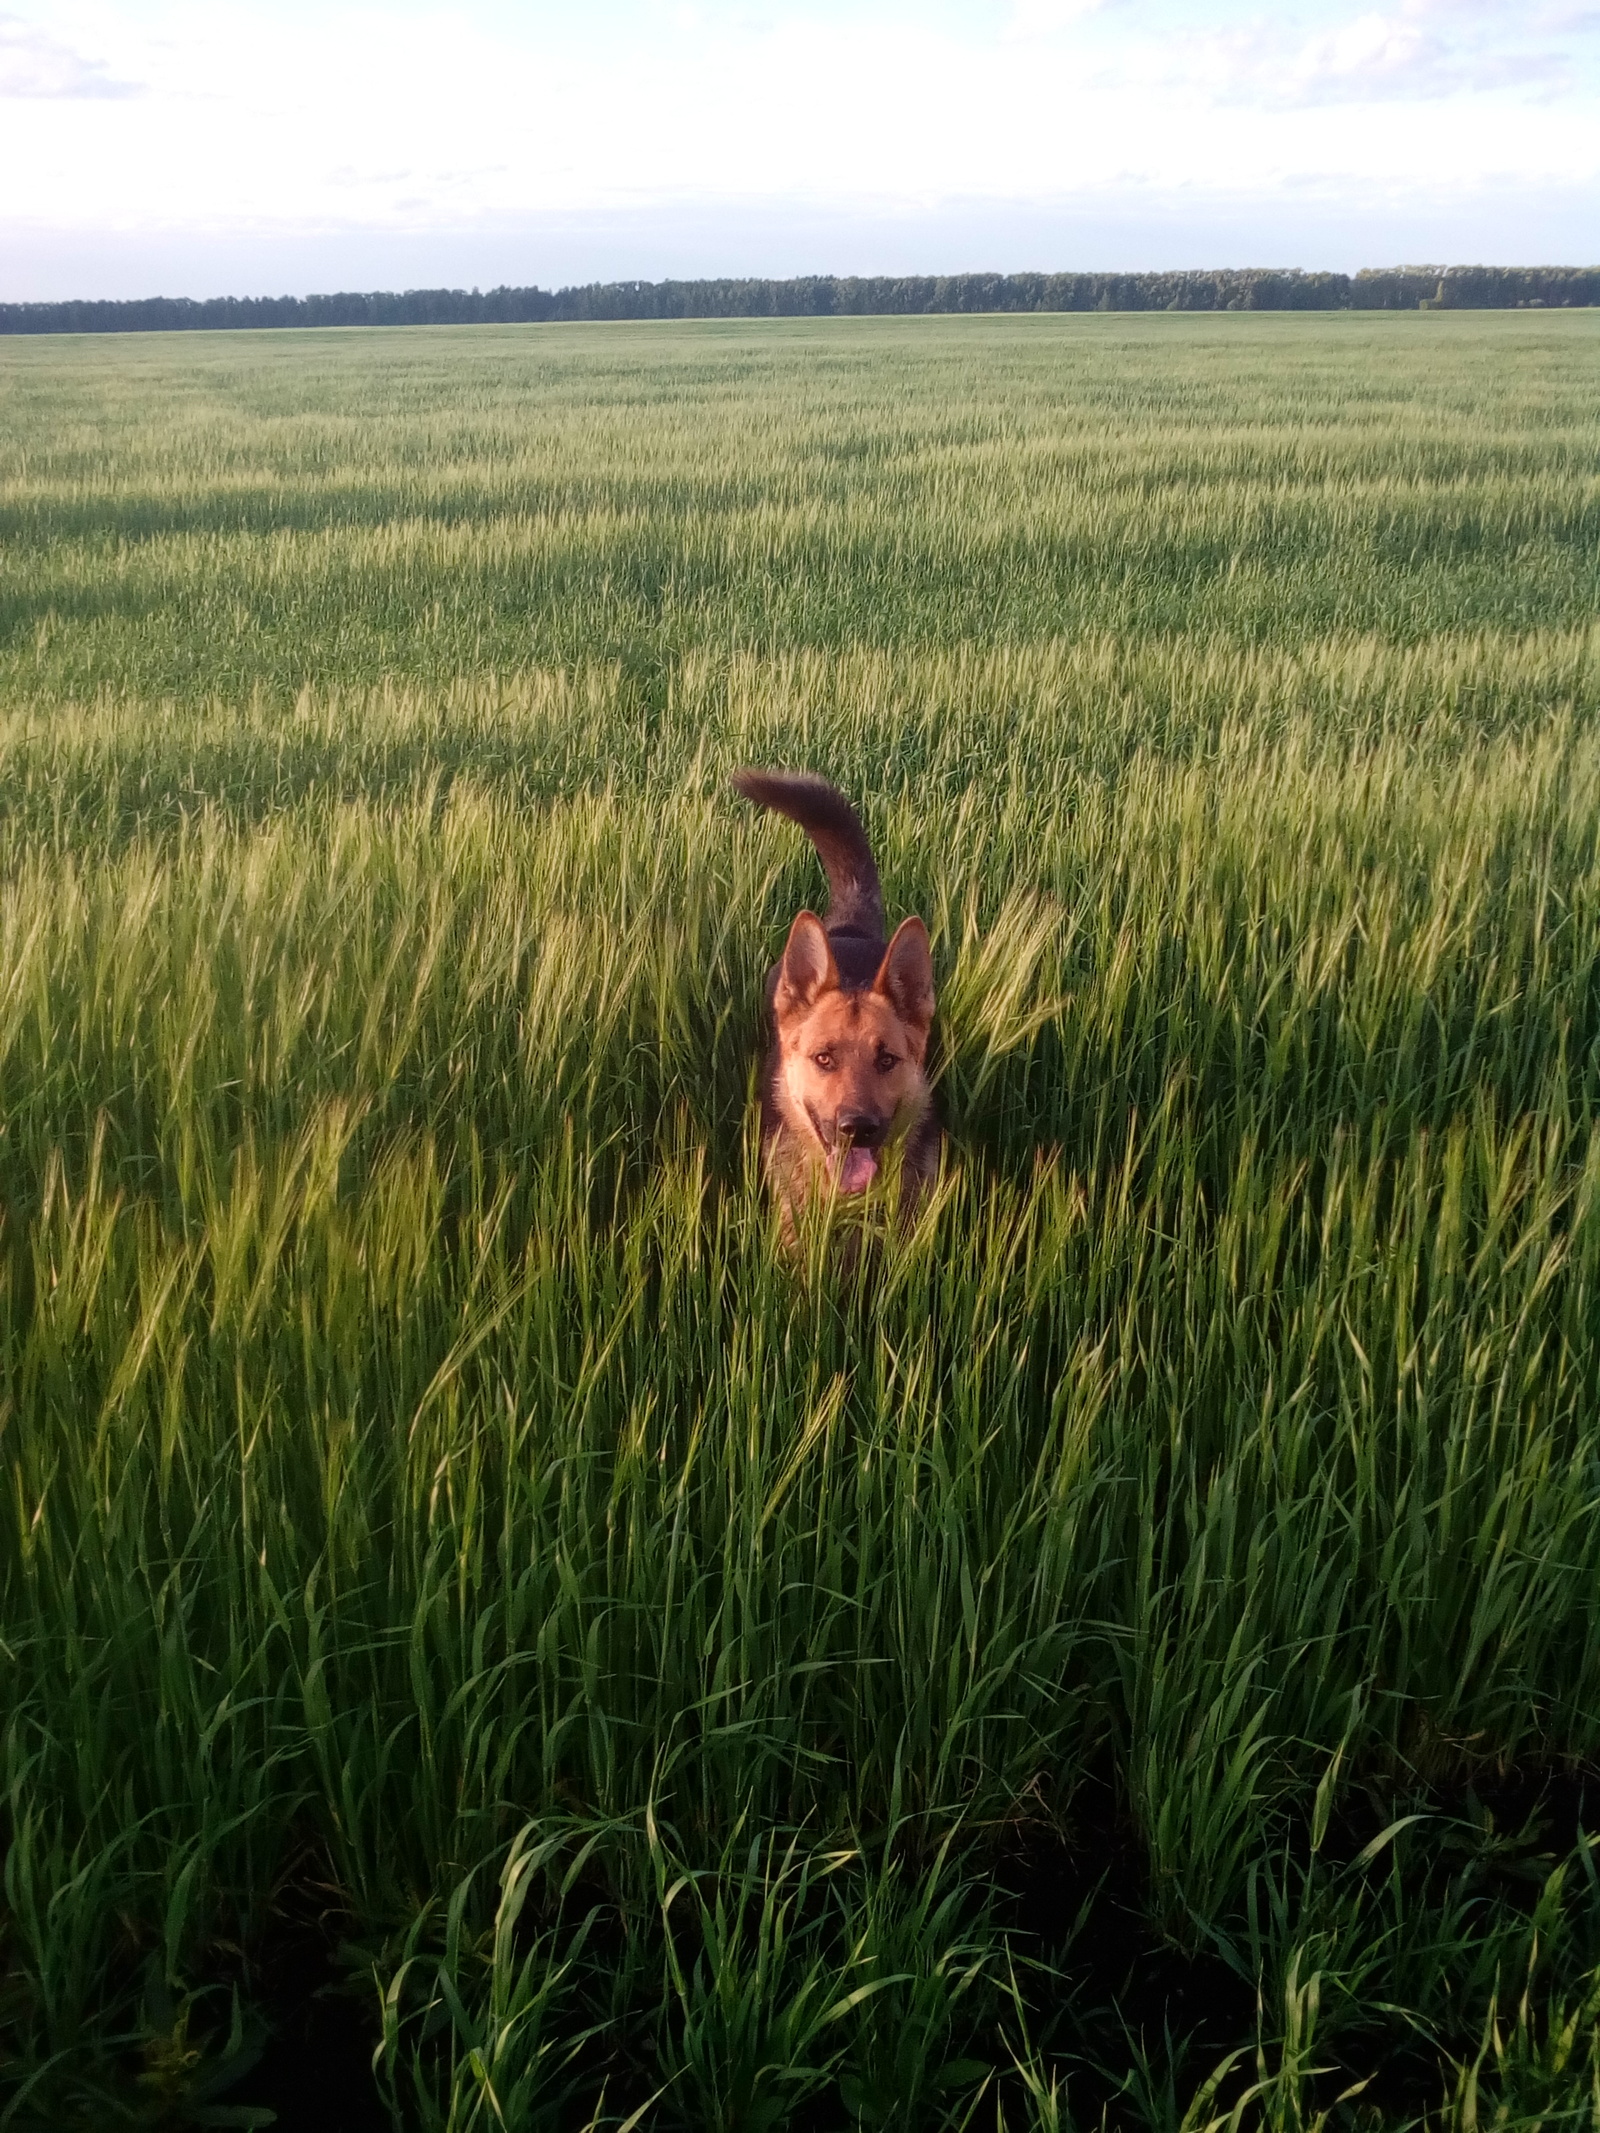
1104, 1649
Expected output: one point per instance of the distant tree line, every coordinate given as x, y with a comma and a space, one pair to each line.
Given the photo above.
832, 296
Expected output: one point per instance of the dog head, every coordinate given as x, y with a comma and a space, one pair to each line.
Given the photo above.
851, 1057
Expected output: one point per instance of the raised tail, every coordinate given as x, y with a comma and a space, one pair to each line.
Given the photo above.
834, 827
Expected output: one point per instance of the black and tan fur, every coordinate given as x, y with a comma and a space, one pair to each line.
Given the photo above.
845, 1080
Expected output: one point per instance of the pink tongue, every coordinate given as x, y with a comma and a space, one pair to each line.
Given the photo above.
860, 1168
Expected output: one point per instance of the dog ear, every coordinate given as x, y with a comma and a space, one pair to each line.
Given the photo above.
905, 976
807, 970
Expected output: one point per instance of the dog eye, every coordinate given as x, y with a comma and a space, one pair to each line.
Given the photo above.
887, 1061
823, 1060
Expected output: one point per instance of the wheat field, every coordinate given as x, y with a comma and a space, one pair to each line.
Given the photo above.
491, 1641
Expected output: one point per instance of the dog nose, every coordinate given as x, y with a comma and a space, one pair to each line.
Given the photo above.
864, 1130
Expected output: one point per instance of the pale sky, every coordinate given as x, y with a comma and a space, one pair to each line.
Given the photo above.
279, 145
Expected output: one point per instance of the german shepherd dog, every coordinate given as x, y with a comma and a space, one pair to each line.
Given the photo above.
844, 1080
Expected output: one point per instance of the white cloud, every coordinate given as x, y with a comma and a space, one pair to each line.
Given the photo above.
35, 64
1046, 18
1424, 51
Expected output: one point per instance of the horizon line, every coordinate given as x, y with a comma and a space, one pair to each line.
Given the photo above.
1409, 286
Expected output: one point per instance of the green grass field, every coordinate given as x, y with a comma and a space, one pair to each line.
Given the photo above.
487, 1641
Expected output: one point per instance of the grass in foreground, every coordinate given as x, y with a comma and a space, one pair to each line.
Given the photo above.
1133, 1648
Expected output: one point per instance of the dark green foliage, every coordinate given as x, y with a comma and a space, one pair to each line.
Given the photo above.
829, 296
